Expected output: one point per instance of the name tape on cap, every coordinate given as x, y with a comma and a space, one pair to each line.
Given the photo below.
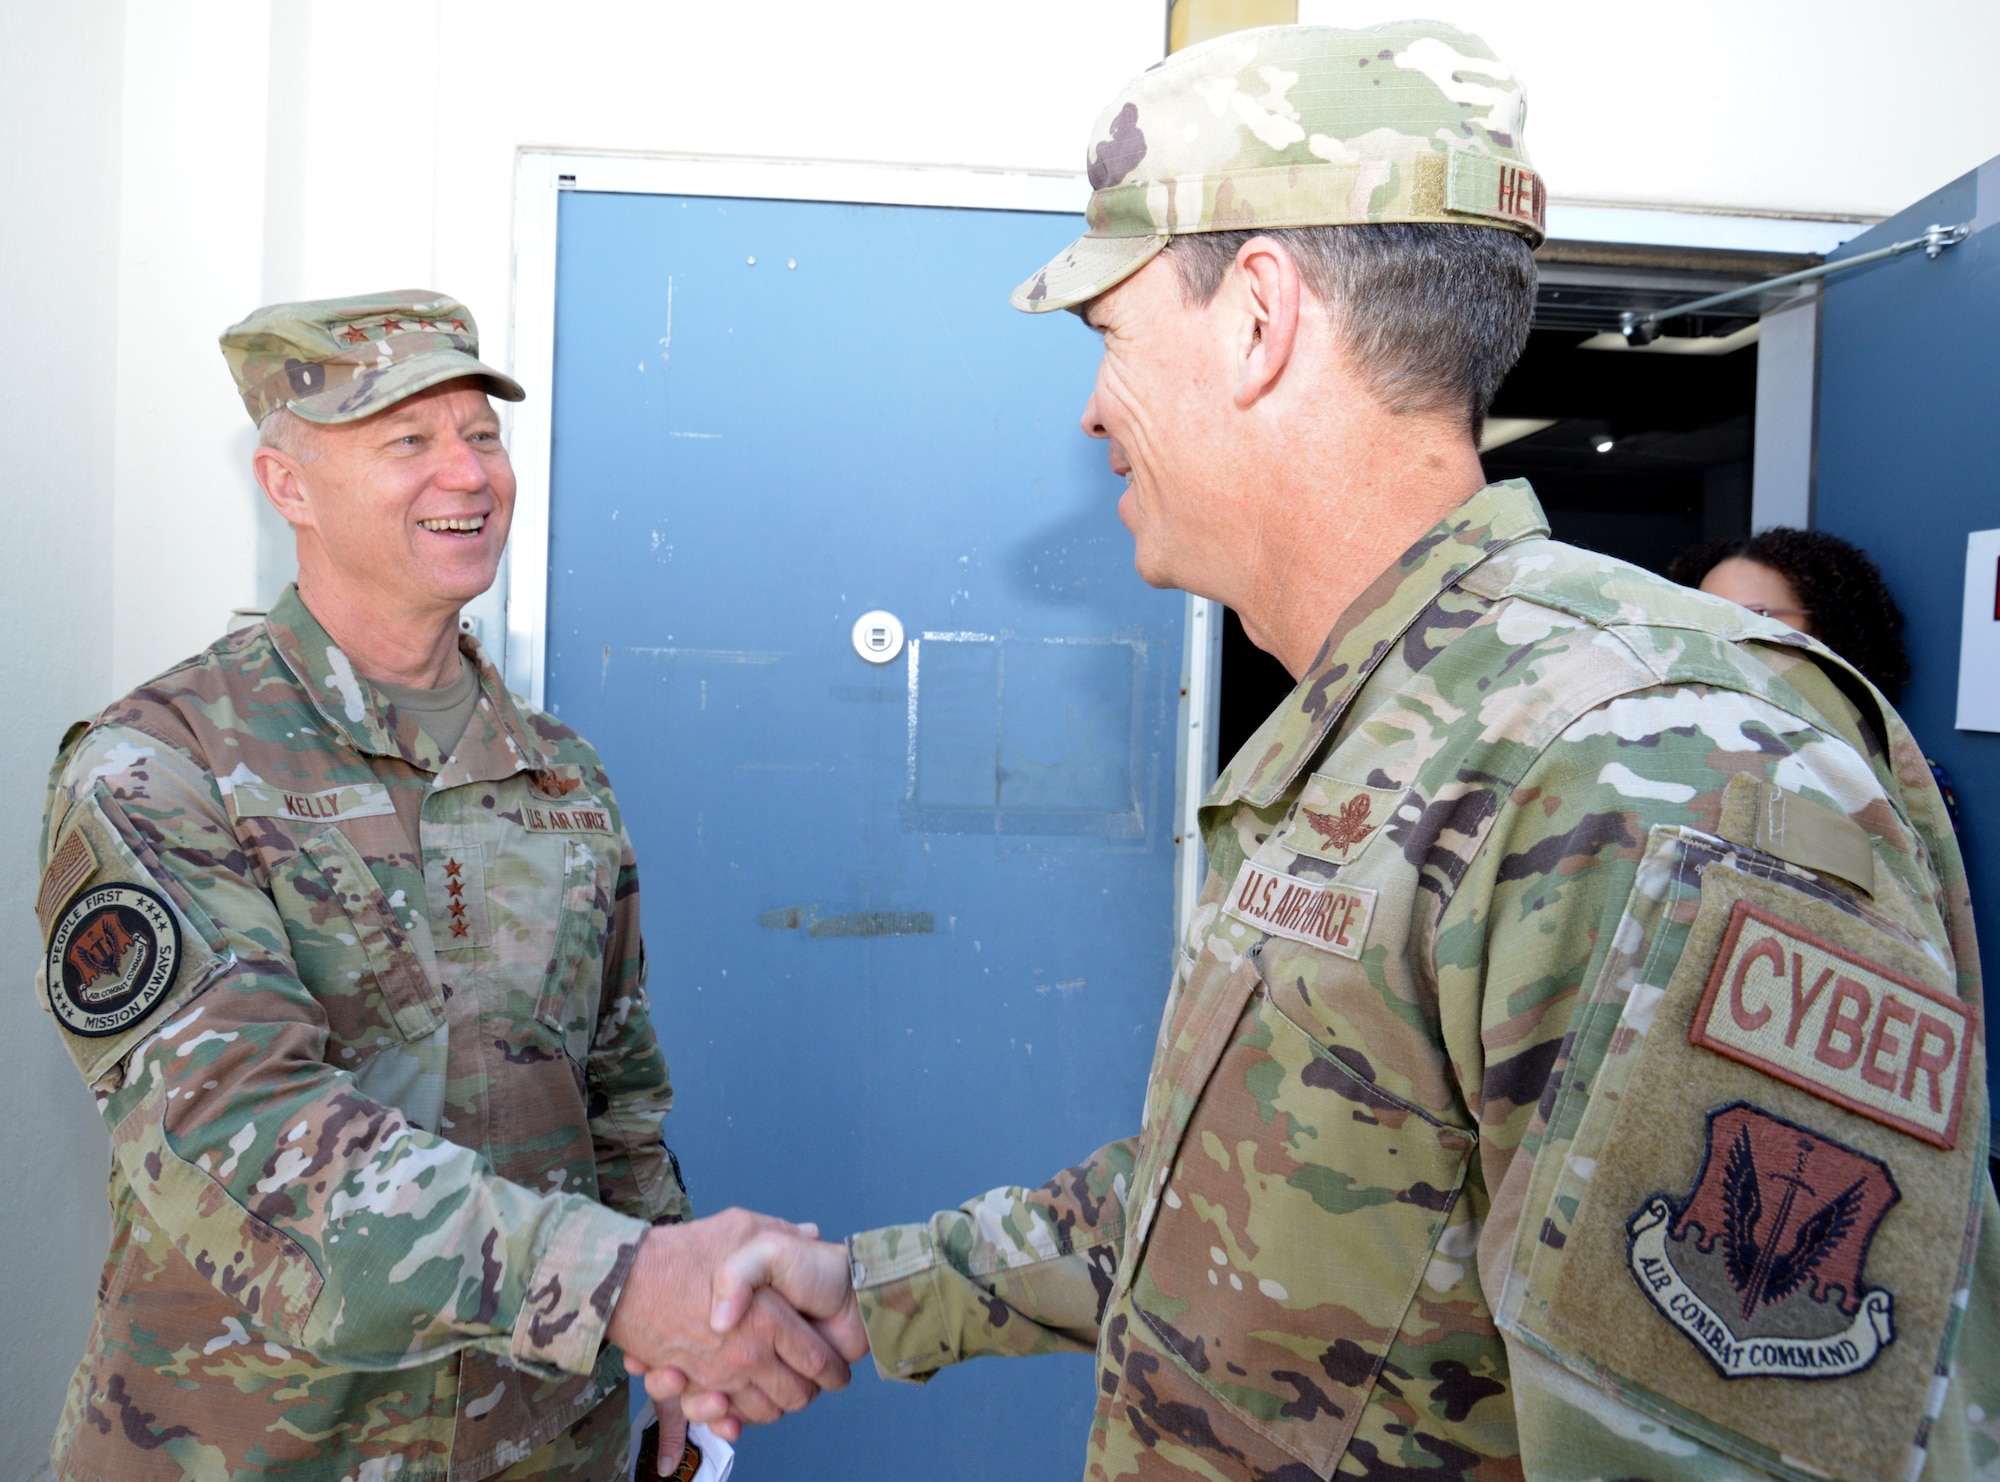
1828, 1020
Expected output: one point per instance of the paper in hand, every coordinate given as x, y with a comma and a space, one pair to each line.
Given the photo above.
706, 1458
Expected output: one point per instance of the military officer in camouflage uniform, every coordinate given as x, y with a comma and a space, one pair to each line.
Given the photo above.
1573, 1067
345, 939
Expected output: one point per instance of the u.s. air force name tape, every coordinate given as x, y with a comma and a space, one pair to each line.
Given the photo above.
1330, 917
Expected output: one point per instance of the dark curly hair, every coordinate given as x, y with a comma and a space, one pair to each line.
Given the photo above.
1852, 611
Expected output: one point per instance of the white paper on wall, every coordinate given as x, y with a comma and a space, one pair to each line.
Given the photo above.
1979, 637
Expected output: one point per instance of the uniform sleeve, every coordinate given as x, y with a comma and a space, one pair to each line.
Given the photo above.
332, 1221
629, 1090
1014, 1272
1529, 929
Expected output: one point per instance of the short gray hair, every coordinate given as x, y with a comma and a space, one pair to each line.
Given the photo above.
290, 434
1436, 313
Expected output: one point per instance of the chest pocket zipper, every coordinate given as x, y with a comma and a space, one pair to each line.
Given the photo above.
584, 921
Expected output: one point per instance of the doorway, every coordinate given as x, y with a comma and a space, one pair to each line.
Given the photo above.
1636, 454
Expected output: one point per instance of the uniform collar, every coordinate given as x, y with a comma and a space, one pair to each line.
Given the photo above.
1497, 516
497, 743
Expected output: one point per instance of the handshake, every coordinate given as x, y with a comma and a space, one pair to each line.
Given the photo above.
736, 1319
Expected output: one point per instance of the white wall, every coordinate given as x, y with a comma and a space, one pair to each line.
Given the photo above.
60, 82
1837, 108
168, 167
382, 155
281, 148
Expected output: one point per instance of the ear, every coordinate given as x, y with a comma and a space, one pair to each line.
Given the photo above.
1270, 292
283, 484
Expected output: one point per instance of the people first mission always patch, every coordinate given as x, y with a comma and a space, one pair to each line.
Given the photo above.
112, 957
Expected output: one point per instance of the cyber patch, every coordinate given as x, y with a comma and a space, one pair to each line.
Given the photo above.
112, 957
1838, 1024
1760, 1266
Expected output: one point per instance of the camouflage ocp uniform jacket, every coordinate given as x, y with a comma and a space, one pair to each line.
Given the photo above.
1549, 881
369, 1030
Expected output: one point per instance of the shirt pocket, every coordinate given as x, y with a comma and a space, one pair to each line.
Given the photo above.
354, 953
571, 990
1297, 1215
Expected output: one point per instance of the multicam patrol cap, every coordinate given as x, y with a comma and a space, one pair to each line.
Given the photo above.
1299, 126
342, 359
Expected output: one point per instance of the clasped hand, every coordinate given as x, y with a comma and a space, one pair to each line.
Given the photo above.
737, 1318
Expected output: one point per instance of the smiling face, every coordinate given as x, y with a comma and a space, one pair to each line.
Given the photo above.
1161, 390
405, 513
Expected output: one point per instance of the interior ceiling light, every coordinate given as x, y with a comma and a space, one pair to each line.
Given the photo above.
1604, 446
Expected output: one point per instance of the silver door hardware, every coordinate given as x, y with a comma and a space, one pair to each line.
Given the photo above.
1643, 329
878, 636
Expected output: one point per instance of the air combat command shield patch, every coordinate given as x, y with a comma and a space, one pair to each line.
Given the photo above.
1761, 1263
111, 958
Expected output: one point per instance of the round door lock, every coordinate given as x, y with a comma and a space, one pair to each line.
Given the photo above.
878, 636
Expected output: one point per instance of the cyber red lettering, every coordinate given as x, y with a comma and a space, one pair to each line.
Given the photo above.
1931, 1029
1766, 950
1848, 1017
1882, 1041
1802, 1001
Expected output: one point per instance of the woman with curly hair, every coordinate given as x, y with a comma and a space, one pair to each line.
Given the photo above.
1811, 581
1819, 584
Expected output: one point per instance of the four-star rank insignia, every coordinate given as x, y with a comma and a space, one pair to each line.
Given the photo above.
112, 957
1761, 1265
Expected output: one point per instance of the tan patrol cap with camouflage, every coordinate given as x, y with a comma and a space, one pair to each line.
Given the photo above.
1299, 126
341, 359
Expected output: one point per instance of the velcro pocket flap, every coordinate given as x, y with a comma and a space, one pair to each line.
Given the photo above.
1771, 1181
249, 1261
413, 1003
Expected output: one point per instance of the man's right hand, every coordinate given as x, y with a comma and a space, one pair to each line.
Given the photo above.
811, 1276
771, 1362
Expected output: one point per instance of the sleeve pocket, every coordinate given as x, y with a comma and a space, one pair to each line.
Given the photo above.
252, 1263
126, 949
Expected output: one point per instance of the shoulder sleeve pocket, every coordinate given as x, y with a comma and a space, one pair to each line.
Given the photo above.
123, 944
1750, 1220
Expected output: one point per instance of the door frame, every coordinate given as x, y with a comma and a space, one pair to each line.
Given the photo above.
515, 612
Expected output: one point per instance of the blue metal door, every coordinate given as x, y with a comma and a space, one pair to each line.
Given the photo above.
909, 924
1908, 448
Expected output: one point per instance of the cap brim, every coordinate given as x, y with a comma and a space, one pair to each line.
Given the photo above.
377, 390
1084, 269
